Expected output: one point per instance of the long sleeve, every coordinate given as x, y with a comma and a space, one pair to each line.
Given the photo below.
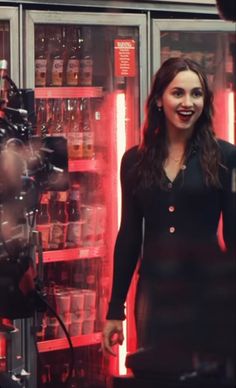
129, 239
229, 204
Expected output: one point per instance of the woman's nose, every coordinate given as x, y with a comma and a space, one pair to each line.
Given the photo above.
187, 100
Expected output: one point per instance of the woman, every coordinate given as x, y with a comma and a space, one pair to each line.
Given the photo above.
175, 186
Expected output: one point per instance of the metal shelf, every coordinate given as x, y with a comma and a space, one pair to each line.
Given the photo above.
69, 92
86, 165
62, 343
73, 254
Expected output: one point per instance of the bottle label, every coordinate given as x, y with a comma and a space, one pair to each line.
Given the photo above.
73, 234
75, 145
72, 72
57, 71
86, 72
57, 235
40, 72
88, 144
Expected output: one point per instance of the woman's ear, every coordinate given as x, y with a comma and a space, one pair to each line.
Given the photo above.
159, 103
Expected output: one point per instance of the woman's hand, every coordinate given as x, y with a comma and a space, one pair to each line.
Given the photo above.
112, 335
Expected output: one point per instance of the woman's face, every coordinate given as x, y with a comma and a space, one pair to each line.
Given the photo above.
182, 102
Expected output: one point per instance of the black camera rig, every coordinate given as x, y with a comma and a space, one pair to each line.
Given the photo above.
29, 165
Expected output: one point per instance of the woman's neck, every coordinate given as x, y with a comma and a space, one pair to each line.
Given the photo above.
178, 138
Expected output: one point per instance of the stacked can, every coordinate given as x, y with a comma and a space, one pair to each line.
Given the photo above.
94, 224
89, 311
63, 305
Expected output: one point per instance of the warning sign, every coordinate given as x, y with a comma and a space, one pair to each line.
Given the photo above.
124, 52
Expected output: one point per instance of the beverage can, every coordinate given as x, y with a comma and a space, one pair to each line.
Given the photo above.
88, 326
100, 228
63, 302
89, 226
75, 327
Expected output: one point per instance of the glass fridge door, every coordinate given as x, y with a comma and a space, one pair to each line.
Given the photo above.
86, 73
13, 357
9, 41
212, 44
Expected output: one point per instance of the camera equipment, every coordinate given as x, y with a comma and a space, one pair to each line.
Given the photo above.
29, 165
227, 9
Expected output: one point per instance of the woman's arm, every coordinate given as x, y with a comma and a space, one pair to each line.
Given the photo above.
129, 239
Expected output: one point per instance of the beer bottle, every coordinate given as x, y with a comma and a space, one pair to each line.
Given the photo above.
75, 135
59, 222
65, 372
43, 213
88, 134
42, 220
74, 380
57, 61
73, 62
73, 208
46, 376
40, 57
86, 62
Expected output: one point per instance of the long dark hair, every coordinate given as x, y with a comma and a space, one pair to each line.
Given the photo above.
154, 148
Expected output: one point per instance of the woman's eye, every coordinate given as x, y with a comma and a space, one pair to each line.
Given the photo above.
177, 93
197, 93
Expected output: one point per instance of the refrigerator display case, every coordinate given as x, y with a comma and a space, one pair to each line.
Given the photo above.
85, 72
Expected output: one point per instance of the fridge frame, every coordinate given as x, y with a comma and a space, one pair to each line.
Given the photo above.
87, 18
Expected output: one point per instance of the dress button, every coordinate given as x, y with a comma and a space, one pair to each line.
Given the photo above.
172, 229
170, 185
171, 209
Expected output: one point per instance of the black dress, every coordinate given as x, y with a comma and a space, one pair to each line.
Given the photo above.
185, 299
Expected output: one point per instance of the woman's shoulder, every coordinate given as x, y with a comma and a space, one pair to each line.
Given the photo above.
228, 151
226, 146
130, 156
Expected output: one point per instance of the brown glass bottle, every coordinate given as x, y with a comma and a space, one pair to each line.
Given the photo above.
40, 57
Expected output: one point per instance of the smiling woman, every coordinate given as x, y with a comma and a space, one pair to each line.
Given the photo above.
177, 184
182, 102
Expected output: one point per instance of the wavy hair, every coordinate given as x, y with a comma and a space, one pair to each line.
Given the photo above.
153, 150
